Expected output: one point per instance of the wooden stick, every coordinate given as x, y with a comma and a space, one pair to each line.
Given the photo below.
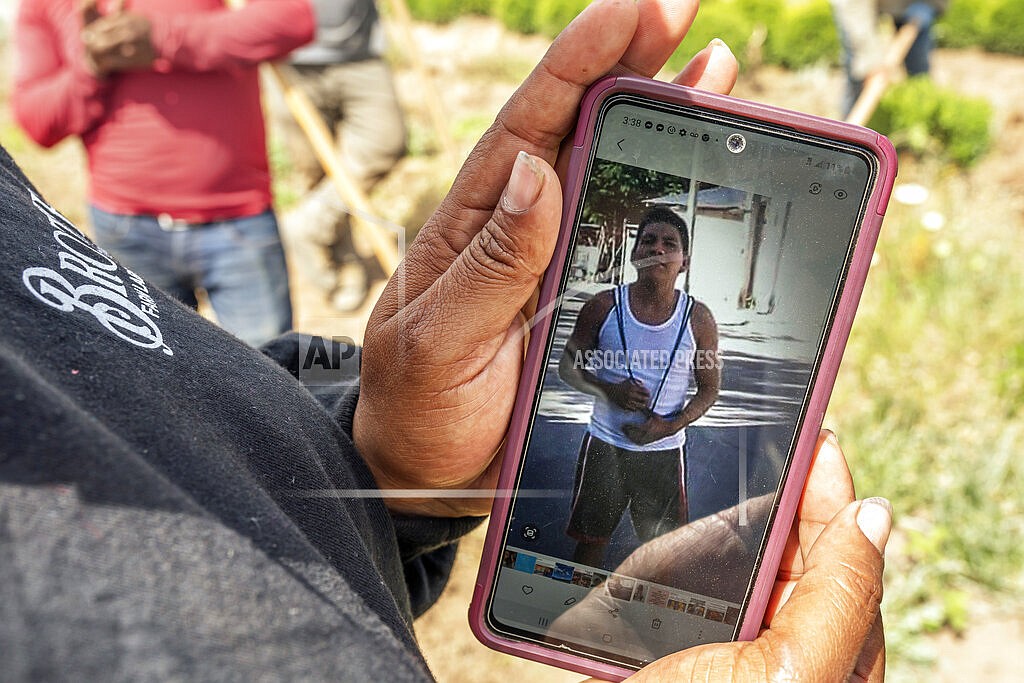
435, 109
876, 84
312, 123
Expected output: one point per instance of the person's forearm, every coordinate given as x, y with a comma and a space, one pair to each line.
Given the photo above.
262, 30
572, 373
54, 96
696, 407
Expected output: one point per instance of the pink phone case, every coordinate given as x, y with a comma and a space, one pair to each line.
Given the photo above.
792, 485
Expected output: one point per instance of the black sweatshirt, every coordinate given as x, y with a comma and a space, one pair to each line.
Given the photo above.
167, 494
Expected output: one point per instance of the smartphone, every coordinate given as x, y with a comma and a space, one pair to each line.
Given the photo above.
689, 330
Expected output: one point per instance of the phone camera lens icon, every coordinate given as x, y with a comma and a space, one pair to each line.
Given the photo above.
705, 137
735, 143
648, 125
815, 188
840, 194
530, 532
660, 127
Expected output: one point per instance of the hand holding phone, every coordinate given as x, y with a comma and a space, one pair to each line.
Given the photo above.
823, 622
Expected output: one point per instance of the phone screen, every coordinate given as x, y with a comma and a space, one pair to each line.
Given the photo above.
706, 260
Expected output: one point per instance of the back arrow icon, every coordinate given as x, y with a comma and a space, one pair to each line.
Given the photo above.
619, 143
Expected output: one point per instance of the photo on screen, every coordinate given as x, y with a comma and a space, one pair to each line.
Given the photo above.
733, 244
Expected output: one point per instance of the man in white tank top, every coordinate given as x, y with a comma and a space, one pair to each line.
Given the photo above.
635, 349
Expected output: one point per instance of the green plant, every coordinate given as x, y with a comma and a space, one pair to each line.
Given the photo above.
444, 11
1006, 28
924, 118
762, 11
795, 35
803, 35
516, 15
995, 25
551, 16
965, 23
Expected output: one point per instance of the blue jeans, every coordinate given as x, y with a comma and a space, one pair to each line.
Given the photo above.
239, 262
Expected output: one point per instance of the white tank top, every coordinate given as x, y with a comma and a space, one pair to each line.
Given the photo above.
659, 356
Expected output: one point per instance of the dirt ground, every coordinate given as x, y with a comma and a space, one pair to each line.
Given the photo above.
477, 77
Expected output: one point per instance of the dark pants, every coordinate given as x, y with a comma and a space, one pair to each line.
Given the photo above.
610, 480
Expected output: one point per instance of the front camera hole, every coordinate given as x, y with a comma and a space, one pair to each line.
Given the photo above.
736, 143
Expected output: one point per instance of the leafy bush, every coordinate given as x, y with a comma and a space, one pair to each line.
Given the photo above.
797, 35
441, 11
551, 16
965, 23
995, 25
803, 35
1006, 28
923, 118
481, 7
516, 15
764, 12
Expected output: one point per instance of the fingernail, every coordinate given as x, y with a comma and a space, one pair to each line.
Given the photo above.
832, 439
717, 44
875, 520
524, 186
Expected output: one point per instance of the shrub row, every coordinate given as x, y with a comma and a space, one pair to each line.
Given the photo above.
793, 35
921, 117
797, 33
995, 25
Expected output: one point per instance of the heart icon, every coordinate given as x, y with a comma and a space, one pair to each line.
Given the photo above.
527, 589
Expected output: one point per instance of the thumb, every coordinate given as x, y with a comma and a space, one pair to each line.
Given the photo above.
484, 289
822, 628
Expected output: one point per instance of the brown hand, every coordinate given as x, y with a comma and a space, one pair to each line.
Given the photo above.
629, 395
115, 42
649, 431
823, 621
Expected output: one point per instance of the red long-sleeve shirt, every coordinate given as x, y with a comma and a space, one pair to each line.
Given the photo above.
185, 138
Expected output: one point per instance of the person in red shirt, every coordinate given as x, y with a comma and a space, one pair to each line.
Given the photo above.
164, 94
